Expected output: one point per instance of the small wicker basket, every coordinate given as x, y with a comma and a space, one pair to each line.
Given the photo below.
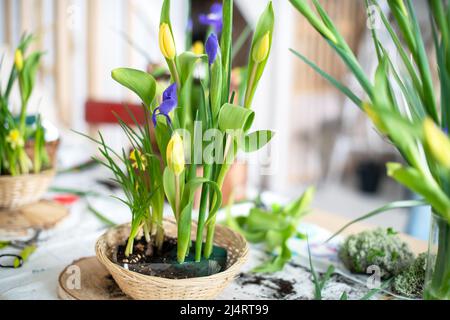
25, 189
143, 287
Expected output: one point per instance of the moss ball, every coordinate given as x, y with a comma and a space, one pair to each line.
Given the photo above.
379, 247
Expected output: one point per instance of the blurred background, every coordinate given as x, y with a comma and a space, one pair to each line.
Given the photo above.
322, 139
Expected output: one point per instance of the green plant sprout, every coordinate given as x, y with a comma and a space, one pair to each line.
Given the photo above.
274, 228
14, 132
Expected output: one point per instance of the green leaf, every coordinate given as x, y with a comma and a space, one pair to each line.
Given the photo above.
186, 64
226, 43
300, 207
141, 83
233, 117
28, 74
184, 232
423, 185
333, 81
388, 207
257, 140
277, 263
169, 187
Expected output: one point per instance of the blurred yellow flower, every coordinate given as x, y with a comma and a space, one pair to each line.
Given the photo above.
18, 60
175, 154
15, 139
166, 42
198, 48
371, 113
134, 156
437, 142
261, 49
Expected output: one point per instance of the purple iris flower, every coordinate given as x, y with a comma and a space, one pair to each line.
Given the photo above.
170, 101
213, 18
212, 47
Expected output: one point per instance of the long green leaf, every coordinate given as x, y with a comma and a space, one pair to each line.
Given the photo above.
388, 207
338, 85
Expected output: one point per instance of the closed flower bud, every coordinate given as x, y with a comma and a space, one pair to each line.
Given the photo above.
261, 49
166, 42
437, 142
372, 114
175, 155
18, 60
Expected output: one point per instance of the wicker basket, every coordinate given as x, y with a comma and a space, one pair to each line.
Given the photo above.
143, 287
24, 189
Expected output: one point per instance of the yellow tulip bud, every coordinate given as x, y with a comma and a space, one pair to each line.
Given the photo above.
18, 60
166, 42
437, 142
371, 113
198, 48
175, 155
261, 49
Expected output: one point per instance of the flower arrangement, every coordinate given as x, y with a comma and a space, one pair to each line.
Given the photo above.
192, 128
15, 132
25, 166
402, 103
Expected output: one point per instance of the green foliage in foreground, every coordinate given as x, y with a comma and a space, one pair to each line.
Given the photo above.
274, 228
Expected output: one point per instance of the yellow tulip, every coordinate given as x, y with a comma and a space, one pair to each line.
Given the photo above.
175, 155
261, 49
198, 48
437, 142
166, 42
18, 60
15, 139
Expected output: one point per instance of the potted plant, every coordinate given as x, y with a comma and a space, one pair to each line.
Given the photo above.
179, 258
25, 168
402, 103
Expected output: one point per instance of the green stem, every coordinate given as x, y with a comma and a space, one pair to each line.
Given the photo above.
177, 198
202, 214
174, 72
209, 244
248, 93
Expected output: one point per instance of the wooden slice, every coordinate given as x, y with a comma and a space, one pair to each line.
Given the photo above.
42, 215
87, 279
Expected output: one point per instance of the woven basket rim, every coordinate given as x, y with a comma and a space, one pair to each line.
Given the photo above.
46, 172
103, 257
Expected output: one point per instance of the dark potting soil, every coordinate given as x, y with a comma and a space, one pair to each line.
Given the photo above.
148, 260
281, 288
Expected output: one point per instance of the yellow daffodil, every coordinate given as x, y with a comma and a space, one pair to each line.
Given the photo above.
18, 60
198, 48
15, 139
175, 155
166, 42
261, 49
437, 142
134, 155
